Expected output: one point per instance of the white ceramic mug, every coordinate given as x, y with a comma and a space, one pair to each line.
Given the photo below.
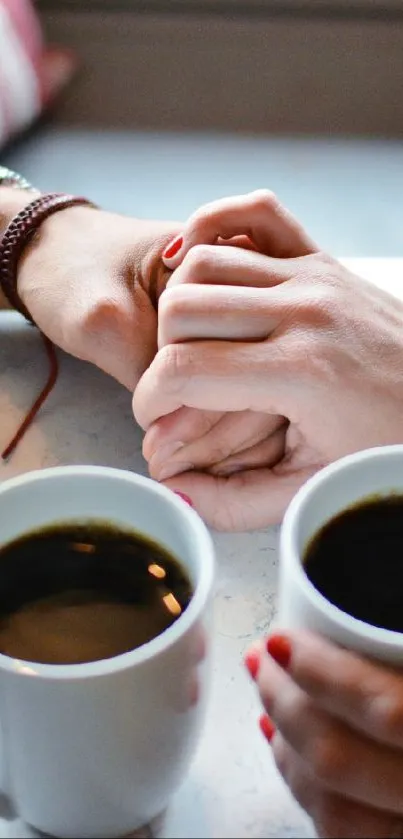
97, 749
376, 472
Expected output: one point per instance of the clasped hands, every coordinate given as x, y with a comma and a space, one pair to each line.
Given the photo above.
273, 360
252, 364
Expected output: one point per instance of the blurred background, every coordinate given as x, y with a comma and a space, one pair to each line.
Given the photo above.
178, 102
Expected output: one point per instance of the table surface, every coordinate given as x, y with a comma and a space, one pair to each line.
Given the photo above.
232, 789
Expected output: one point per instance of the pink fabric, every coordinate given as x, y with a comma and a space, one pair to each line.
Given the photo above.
27, 26
31, 74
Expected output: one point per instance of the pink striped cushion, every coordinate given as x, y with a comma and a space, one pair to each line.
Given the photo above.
31, 75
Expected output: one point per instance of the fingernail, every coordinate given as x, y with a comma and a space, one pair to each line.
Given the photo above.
184, 497
173, 248
252, 664
267, 727
279, 647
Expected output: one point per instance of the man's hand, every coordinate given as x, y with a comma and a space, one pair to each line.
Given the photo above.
212, 441
299, 338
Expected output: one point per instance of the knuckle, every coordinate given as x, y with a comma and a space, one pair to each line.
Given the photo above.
197, 261
265, 199
173, 365
318, 305
218, 452
173, 304
203, 214
204, 220
386, 714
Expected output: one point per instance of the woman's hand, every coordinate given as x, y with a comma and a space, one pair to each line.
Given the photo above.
299, 338
336, 729
91, 281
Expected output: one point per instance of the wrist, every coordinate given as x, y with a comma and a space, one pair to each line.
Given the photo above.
12, 201
44, 224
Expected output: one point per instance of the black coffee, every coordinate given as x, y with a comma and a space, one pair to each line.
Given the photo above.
356, 562
77, 593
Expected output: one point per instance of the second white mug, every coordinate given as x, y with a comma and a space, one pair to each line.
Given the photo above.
346, 482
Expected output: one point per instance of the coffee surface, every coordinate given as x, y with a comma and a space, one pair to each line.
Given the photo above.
80, 593
356, 562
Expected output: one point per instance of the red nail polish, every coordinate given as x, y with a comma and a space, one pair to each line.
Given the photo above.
252, 664
184, 497
267, 727
173, 248
279, 647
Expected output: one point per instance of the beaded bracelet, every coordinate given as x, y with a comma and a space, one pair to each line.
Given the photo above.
16, 236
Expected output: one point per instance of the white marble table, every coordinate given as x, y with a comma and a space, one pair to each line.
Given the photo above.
233, 789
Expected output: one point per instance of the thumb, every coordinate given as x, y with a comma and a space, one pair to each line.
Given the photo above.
244, 501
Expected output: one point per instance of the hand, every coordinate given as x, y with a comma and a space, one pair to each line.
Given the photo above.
301, 338
91, 281
335, 726
211, 440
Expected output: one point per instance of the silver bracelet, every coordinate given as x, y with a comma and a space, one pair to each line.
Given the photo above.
13, 179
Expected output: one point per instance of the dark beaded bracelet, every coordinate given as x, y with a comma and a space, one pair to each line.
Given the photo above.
17, 235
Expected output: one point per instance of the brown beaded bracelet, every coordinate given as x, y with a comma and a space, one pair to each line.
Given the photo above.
16, 236
19, 232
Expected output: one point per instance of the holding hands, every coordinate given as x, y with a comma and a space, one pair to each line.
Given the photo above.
273, 361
